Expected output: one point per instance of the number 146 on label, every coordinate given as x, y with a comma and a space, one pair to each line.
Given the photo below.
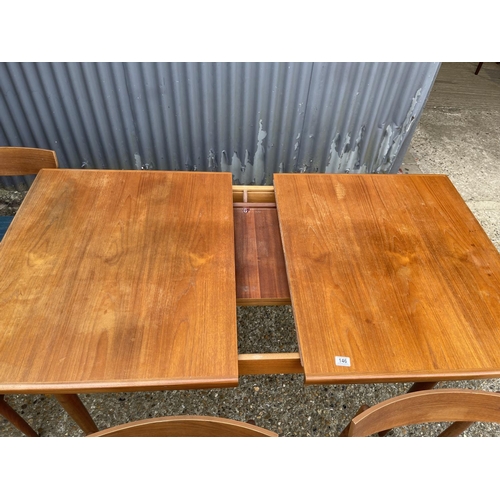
342, 361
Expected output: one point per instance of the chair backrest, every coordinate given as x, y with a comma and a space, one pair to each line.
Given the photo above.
26, 161
438, 405
185, 426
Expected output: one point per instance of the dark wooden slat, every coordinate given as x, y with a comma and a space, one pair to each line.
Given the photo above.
260, 264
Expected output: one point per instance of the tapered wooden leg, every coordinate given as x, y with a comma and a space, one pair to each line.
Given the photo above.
478, 68
15, 419
455, 429
422, 386
77, 411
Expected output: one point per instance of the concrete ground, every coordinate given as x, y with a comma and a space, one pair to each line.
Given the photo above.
458, 135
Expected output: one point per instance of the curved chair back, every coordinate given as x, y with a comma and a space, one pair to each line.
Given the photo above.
23, 161
438, 405
185, 426
26, 161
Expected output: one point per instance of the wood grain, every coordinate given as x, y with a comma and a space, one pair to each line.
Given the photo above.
186, 426
392, 271
269, 363
25, 161
253, 194
438, 405
260, 264
119, 280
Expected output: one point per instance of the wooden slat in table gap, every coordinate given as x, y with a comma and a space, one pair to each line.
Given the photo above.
260, 265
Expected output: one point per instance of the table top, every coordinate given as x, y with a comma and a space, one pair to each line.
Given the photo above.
119, 280
391, 278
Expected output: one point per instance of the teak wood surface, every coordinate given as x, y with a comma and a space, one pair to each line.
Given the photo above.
391, 271
260, 264
186, 426
26, 161
119, 280
461, 406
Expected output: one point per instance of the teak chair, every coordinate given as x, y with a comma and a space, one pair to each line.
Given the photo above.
21, 161
461, 406
185, 426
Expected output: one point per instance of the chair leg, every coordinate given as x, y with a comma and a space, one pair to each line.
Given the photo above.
478, 68
455, 429
15, 419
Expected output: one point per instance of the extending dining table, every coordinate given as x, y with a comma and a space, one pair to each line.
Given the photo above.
129, 281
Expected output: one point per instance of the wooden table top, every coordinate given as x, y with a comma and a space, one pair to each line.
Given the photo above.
119, 280
391, 275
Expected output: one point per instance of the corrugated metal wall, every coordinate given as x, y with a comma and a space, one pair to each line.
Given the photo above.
251, 119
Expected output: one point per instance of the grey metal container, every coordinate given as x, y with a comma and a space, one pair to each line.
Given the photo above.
251, 119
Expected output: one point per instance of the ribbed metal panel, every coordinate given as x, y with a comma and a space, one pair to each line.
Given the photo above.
252, 119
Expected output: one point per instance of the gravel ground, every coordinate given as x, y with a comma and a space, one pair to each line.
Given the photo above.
10, 201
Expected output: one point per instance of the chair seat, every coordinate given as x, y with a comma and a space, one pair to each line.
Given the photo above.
4, 224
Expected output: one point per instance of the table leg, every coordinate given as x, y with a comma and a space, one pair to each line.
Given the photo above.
422, 386
77, 411
15, 419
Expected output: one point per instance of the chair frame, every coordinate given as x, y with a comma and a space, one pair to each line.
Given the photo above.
462, 406
26, 161
185, 426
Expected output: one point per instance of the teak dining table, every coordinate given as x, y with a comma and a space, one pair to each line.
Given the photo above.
129, 280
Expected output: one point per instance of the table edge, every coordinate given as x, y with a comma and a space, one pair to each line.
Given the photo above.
117, 386
375, 378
